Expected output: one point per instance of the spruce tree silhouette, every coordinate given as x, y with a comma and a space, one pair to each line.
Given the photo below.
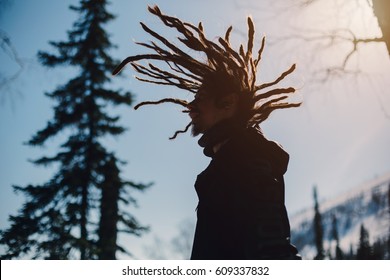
339, 255
318, 228
55, 222
364, 249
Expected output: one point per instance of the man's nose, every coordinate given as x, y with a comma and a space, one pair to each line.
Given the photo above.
191, 105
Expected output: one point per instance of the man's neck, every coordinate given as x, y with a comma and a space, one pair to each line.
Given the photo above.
218, 146
217, 136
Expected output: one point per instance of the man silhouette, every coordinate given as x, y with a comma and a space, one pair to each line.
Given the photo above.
241, 212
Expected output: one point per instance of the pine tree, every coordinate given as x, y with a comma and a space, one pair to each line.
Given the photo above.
364, 249
388, 237
55, 222
351, 254
339, 255
379, 249
318, 228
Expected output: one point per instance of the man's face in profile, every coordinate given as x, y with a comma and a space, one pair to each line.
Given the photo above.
205, 113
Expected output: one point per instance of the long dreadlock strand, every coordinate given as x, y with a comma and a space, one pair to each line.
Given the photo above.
181, 131
281, 77
269, 109
259, 54
227, 34
273, 92
165, 100
254, 65
253, 73
130, 59
251, 35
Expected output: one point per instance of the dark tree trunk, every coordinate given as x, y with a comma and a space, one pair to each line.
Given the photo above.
109, 210
83, 223
382, 12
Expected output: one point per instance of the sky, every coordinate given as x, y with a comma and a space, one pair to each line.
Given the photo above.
337, 139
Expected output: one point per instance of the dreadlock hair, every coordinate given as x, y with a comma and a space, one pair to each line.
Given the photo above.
225, 70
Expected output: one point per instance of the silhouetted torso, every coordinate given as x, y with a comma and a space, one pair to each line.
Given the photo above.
241, 212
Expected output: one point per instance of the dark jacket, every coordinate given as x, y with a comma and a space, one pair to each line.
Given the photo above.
241, 212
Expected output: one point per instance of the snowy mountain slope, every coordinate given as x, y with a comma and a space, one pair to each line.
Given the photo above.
367, 204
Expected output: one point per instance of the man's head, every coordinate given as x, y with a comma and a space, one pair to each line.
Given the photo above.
224, 85
217, 99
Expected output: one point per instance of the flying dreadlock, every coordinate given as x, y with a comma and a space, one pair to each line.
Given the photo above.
191, 74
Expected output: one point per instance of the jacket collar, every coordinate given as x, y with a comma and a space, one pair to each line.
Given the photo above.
218, 134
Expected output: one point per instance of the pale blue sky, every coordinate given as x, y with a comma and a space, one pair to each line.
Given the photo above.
336, 140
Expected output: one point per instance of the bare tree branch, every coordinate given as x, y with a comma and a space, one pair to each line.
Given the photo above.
8, 48
327, 40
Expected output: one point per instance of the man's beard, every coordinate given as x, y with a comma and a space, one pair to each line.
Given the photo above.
195, 130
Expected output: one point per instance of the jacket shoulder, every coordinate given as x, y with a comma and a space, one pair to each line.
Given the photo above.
250, 147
